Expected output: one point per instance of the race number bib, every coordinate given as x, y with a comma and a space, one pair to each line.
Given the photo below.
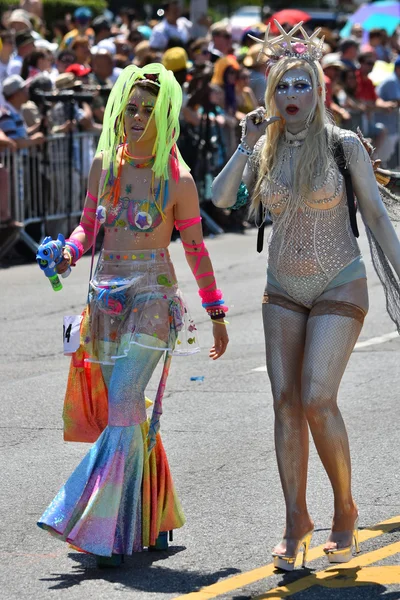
71, 333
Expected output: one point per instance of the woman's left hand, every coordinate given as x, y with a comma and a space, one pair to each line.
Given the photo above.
221, 340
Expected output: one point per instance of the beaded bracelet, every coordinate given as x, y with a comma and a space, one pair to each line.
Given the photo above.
216, 314
246, 146
243, 150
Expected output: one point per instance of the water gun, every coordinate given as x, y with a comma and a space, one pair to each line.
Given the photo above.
49, 255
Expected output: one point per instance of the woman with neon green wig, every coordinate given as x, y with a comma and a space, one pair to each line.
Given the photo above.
121, 497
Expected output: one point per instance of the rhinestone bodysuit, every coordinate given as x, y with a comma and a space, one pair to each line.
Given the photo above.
309, 250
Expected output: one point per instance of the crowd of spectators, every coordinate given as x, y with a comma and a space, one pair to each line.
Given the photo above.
222, 79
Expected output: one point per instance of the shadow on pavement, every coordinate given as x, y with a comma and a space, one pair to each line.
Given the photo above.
138, 572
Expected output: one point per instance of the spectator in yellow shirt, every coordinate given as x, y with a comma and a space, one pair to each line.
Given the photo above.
82, 18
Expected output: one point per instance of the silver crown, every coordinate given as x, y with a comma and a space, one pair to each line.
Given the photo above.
286, 44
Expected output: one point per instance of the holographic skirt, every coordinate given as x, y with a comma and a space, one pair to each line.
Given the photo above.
134, 295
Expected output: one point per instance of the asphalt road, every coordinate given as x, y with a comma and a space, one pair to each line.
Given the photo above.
219, 439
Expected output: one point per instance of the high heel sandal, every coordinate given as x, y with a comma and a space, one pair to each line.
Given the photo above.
104, 562
287, 563
343, 555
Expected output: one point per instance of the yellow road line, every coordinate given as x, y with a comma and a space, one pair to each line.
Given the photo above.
387, 575
239, 581
340, 576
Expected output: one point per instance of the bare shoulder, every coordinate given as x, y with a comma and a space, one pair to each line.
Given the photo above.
97, 163
184, 188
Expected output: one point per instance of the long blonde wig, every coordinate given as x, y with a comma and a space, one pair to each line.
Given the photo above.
315, 147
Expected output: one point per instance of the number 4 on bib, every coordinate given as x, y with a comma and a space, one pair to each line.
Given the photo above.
71, 333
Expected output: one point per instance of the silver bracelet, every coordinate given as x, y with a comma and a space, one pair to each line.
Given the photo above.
247, 151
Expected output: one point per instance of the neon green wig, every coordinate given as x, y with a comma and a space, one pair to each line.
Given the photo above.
166, 114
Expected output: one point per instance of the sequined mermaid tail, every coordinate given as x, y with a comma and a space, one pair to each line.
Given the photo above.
119, 498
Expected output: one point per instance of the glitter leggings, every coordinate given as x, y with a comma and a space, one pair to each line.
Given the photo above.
307, 352
127, 380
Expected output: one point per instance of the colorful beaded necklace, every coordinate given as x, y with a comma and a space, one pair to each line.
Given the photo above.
143, 217
132, 160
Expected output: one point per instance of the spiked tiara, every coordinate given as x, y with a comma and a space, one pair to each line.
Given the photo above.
288, 45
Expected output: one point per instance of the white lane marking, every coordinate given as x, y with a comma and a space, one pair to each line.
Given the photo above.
371, 342
376, 340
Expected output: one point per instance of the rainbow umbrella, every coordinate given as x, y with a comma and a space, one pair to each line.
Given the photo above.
379, 10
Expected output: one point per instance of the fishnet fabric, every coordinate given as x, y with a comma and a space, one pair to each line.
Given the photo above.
329, 344
387, 277
391, 202
306, 358
285, 333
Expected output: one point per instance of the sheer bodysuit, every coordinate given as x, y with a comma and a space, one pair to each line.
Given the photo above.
307, 254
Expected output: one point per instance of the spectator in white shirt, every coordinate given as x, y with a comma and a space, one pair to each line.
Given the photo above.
172, 27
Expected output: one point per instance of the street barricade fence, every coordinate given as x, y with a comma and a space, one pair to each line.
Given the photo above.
42, 188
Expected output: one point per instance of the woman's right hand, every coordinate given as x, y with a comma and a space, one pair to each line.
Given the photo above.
256, 125
65, 264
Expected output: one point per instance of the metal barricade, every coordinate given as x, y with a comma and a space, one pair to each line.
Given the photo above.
45, 185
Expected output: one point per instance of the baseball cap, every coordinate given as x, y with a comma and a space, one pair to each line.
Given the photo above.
78, 70
23, 38
175, 59
13, 84
332, 60
145, 30
83, 13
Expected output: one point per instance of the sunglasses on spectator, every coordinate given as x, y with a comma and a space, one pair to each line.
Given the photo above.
226, 35
203, 51
370, 63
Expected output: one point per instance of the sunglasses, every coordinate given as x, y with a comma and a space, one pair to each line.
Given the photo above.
370, 63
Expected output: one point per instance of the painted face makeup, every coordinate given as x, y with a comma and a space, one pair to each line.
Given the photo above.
294, 96
138, 116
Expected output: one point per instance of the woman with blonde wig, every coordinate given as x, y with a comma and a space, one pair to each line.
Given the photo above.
300, 169
121, 497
